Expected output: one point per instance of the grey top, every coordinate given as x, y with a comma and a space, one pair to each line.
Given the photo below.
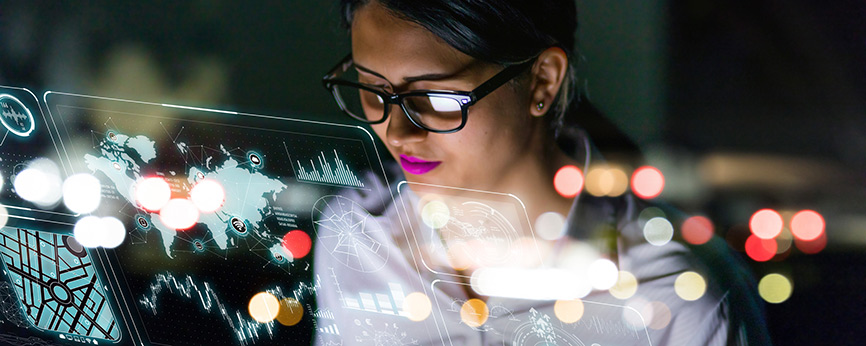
366, 275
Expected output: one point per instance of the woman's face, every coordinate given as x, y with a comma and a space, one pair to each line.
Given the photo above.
499, 134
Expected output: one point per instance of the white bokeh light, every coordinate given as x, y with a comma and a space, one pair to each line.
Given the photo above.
152, 193
208, 195
82, 193
179, 213
113, 232
603, 274
658, 231
550, 226
88, 231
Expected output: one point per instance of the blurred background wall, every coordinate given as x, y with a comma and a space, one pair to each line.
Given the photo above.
743, 105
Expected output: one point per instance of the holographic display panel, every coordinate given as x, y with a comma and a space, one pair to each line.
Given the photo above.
196, 285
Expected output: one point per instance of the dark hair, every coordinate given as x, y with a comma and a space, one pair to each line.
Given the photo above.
497, 31
503, 32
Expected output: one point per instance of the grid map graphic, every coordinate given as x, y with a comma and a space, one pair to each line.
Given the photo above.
56, 283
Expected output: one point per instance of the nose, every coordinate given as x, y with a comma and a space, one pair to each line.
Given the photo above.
401, 130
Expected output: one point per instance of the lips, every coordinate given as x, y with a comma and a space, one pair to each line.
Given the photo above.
417, 166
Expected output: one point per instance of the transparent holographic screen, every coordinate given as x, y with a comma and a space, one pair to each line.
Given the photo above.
96, 135
25, 135
519, 322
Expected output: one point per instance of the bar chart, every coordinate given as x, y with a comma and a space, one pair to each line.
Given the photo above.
334, 171
390, 303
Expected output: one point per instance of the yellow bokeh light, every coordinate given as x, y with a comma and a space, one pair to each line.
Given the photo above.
690, 286
598, 181
784, 241
290, 312
625, 287
417, 306
474, 312
264, 307
775, 288
435, 214
568, 311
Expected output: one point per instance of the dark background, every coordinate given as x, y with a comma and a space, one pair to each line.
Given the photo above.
742, 104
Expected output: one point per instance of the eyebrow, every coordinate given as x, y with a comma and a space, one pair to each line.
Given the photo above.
411, 79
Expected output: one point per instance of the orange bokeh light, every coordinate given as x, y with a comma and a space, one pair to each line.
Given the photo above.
766, 223
697, 230
568, 181
807, 225
647, 182
760, 250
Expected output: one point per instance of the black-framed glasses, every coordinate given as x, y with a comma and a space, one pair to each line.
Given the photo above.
440, 111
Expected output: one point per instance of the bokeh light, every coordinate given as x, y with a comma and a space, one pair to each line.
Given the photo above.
807, 225
784, 241
649, 214
812, 247
568, 181
697, 230
179, 214
661, 315
690, 286
606, 181
647, 182
113, 232
603, 274
4, 216
637, 314
775, 288
208, 195
290, 313
87, 231
82, 193
417, 306
625, 287
550, 225
39, 184
474, 312
568, 311
766, 223
297, 243
264, 307
760, 250
152, 193
658, 231
435, 214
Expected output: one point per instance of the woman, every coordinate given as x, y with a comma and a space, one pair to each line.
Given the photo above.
509, 63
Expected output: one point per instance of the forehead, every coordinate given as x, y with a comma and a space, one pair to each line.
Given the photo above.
397, 48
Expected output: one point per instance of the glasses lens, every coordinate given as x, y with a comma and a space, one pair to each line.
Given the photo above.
360, 103
442, 113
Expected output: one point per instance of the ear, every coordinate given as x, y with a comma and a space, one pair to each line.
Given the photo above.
548, 73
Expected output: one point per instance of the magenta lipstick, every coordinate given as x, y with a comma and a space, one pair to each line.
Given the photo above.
418, 166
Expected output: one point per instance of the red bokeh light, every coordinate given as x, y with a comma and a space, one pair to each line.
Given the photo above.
807, 225
568, 181
647, 182
813, 246
697, 230
760, 250
298, 243
766, 223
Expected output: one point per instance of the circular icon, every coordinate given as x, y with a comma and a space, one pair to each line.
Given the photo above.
199, 175
279, 257
256, 159
112, 136
239, 226
74, 247
142, 221
199, 246
15, 117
